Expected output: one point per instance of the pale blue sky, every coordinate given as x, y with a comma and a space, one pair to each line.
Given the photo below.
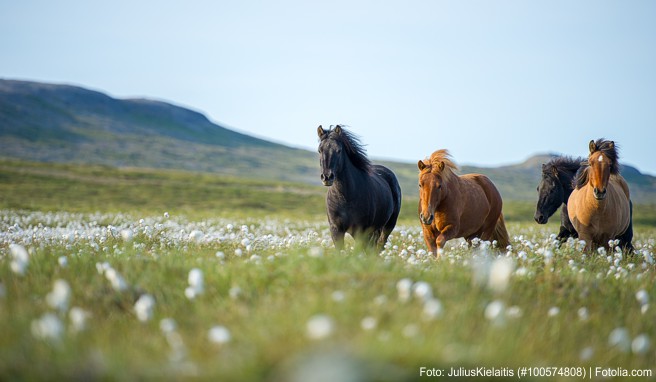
493, 81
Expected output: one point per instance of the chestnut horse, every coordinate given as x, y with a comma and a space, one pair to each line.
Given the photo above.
600, 207
452, 206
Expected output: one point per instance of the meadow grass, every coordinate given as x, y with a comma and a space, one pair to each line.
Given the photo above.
294, 307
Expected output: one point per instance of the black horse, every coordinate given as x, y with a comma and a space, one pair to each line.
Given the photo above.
553, 192
363, 199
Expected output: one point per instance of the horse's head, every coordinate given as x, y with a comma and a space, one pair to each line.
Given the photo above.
330, 153
431, 190
601, 163
550, 194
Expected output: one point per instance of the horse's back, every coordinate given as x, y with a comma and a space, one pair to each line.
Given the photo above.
390, 179
488, 189
481, 203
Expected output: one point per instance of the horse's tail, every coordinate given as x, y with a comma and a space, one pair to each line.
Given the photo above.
500, 233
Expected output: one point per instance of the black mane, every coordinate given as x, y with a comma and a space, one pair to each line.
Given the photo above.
566, 166
354, 149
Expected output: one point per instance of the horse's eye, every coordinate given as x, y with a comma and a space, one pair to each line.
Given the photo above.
419, 185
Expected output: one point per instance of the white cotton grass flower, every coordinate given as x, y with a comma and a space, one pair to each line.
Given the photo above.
48, 327
368, 323
60, 295
196, 284
640, 344
319, 327
583, 314
494, 312
410, 331
127, 234
500, 272
422, 290
514, 312
144, 307
315, 252
432, 309
167, 325
553, 311
338, 296
586, 353
404, 287
642, 296
115, 278
79, 318
235, 292
620, 339
219, 335
62, 261
196, 236
20, 259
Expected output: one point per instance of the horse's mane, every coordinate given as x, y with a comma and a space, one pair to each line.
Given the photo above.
354, 149
610, 150
563, 164
437, 157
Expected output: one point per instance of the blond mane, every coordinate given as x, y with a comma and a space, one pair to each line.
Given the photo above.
433, 164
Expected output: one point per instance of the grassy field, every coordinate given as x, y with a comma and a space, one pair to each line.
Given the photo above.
110, 274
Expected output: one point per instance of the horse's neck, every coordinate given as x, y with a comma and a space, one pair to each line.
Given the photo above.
567, 186
349, 180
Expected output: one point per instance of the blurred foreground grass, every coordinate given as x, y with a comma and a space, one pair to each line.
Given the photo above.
294, 308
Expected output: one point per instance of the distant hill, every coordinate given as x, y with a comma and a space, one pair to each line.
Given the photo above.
68, 124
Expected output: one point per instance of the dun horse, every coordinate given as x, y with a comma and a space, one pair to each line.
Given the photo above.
363, 199
452, 206
600, 207
553, 192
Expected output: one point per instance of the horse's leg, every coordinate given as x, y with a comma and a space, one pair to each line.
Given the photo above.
430, 236
566, 228
627, 237
448, 233
338, 237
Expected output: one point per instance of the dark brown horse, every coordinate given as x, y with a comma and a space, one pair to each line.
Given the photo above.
452, 206
363, 199
600, 207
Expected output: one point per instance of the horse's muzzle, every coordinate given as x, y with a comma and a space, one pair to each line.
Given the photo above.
426, 220
328, 179
540, 218
599, 194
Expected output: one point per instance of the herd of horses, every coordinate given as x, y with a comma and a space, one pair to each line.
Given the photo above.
364, 199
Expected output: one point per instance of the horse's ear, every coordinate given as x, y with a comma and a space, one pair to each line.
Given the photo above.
338, 129
441, 165
544, 166
421, 165
592, 146
611, 144
320, 131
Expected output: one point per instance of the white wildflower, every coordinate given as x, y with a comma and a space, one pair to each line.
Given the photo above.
640, 344
78, 317
144, 307
59, 296
319, 326
219, 335
619, 338
500, 272
48, 327
19, 258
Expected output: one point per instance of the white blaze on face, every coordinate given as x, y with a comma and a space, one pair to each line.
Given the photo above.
601, 159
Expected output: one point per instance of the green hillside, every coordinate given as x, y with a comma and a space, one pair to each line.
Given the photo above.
67, 124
